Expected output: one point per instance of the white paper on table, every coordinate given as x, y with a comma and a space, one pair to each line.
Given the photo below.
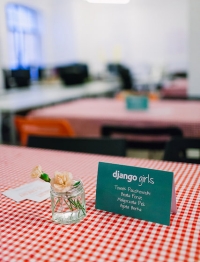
36, 191
42, 193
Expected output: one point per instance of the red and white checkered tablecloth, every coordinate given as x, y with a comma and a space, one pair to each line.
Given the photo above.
175, 88
88, 115
28, 233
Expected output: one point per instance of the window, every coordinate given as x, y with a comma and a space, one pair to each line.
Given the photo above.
24, 36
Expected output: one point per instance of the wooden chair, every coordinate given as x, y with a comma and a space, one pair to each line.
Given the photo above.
102, 146
177, 150
41, 126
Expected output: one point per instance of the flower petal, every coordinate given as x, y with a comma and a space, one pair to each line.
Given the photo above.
62, 181
36, 172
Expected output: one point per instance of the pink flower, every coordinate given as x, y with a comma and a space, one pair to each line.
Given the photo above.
62, 182
36, 172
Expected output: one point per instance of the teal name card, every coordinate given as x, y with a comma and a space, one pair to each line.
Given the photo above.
137, 102
141, 193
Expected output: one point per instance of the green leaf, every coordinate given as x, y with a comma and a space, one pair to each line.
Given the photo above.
76, 184
45, 177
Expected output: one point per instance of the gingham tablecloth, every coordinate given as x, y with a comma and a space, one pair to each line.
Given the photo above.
28, 234
175, 88
88, 115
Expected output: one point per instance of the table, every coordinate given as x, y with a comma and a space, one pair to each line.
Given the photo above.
88, 115
43, 95
177, 88
28, 233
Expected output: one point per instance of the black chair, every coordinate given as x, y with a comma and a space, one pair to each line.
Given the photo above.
16, 78
102, 146
178, 74
148, 138
73, 74
124, 73
177, 150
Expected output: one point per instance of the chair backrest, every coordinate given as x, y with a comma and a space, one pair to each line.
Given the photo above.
102, 146
143, 137
124, 73
45, 127
16, 78
73, 74
183, 150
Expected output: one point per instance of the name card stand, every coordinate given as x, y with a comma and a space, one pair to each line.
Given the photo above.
141, 193
137, 102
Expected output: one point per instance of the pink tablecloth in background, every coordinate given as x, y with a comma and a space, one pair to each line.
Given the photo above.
175, 88
88, 115
28, 233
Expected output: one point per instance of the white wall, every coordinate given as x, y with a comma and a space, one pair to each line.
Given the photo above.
63, 32
153, 32
194, 49
144, 32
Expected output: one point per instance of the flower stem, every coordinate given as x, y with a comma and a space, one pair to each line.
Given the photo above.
45, 177
58, 200
77, 204
69, 205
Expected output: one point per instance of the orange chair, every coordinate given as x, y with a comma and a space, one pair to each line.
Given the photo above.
43, 127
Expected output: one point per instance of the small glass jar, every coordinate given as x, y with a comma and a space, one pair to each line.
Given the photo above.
68, 207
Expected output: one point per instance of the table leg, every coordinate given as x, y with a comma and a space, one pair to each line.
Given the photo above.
13, 139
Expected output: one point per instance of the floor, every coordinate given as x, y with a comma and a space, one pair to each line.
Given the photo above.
158, 154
